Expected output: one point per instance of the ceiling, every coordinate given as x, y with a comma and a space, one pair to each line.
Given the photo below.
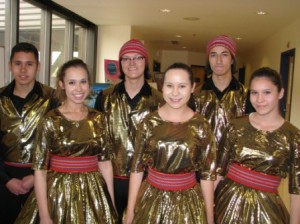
236, 18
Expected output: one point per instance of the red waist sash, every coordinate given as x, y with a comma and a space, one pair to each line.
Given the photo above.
19, 165
171, 182
73, 164
253, 179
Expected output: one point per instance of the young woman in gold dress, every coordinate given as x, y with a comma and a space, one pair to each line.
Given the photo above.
171, 145
256, 151
73, 178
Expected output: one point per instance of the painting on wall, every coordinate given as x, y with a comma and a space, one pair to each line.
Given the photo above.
112, 70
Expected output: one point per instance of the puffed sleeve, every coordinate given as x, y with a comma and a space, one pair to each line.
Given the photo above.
140, 145
208, 152
294, 168
105, 145
225, 150
42, 142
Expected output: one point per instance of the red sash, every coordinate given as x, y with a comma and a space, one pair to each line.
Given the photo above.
73, 164
171, 182
253, 179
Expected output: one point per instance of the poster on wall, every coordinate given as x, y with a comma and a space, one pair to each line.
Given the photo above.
112, 71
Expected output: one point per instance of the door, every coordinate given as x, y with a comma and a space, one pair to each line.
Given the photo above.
287, 74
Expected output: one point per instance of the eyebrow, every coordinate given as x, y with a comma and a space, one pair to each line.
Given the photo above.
22, 61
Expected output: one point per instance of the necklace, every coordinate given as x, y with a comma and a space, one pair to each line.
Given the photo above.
77, 124
75, 117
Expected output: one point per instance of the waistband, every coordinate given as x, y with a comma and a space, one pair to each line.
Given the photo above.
73, 164
19, 165
253, 179
171, 182
121, 177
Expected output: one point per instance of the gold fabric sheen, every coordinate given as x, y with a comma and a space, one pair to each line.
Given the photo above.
219, 112
275, 153
173, 148
19, 129
72, 197
123, 122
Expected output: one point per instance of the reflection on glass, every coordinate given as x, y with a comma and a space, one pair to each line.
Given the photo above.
57, 46
29, 23
79, 42
2, 22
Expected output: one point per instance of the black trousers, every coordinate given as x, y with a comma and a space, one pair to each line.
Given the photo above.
121, 187
11, 204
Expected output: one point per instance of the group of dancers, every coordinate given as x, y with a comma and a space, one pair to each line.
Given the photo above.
134, 157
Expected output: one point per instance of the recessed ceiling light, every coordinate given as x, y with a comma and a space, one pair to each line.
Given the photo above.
165, 10
238, 38
178, 36
261, 13
191, 18
184, 47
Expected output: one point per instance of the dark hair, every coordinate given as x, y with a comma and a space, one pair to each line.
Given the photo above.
122, 74
25, 47
208, 69
60, 93
271, 74
182, 66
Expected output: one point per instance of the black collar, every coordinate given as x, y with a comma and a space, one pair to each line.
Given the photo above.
145, 90
9, 89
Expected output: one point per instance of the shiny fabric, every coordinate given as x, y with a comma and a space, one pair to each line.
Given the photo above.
219, 112
173, 148
123, 122
72, 197
275, 153
18, 130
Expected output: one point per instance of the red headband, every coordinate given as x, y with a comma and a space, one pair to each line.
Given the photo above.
224, 41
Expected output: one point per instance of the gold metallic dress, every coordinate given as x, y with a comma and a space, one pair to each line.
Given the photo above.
75, 198
274, 153
219, 112
173, 148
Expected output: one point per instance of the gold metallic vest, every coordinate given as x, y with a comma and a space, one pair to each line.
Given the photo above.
18, 130
220, 112
123, 123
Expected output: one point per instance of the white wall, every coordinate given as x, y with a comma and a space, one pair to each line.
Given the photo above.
169, 57
110, 40
268, 53
196, 58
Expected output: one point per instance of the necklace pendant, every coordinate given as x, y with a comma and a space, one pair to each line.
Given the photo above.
77, 124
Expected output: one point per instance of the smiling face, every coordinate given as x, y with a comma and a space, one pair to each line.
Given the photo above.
133, 66
220, 61
265, 96
177, 88
24, 67
75, 84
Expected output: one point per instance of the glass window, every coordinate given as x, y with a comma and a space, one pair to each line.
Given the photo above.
58, 54
79, 42
2, 22
29, 23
